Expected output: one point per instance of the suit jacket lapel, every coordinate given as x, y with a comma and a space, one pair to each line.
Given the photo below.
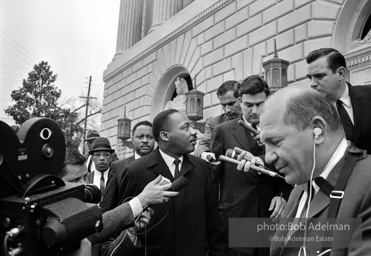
158, 165
357, 106
321, 200
242, 138
186, 165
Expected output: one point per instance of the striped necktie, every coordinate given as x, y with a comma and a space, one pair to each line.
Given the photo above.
102, 184
176, 172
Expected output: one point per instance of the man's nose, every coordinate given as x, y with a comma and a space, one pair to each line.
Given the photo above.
228, 109
255, 109
193, 131
313, 83
270, 155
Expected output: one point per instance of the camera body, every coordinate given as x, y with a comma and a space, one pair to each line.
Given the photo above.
39, 213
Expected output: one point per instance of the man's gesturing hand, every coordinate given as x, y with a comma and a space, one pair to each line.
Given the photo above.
156, 192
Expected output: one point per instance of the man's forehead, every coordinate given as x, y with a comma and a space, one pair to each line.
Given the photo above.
227, 97
143, 129
318, 64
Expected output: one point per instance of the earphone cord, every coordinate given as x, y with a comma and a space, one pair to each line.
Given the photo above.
303, 247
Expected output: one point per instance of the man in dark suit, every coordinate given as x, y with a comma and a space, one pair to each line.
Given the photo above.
305, 141
188, 224
101, 153
143, 144
232, 110
327, 72
246, 195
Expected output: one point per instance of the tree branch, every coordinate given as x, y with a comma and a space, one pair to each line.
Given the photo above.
89, 115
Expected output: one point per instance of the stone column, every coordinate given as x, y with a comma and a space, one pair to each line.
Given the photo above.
130, 24
163, 10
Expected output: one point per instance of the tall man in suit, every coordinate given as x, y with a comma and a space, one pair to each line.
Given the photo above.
246, 195
304, 139
143, 144
232, 110
327, 71
188, 224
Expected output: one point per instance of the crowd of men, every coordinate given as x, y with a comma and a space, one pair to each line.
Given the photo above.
317, 139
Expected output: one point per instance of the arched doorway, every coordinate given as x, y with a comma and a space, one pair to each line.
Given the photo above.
352, 37
166, 90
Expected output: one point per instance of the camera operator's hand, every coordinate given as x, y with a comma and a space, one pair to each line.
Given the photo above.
156, 192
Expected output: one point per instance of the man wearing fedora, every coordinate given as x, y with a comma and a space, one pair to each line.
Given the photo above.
90, 138
101, 153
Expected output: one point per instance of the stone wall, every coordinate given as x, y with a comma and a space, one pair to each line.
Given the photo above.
217, 41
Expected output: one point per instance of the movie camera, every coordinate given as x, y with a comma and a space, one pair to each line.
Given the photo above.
40, 214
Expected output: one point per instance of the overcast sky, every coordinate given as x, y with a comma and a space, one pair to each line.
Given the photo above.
76, 37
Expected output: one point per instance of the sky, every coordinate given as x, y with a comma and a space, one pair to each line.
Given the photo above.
76, 37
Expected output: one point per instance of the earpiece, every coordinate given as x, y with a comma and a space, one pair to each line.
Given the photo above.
317, 132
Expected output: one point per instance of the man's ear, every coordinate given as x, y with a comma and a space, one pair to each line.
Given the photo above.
341, 71
164, 136
319, 125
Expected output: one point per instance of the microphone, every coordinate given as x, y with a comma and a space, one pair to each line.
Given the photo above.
248, 127
210, 159
252, 167
233, 153
178, 184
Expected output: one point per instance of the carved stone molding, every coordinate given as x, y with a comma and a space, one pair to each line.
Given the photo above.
358, 59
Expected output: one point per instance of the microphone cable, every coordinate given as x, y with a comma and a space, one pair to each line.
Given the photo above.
140, 233
303, 247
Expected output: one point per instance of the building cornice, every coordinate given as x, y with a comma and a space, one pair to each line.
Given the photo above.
200, 10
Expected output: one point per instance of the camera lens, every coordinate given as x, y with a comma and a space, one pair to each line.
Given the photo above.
92, 194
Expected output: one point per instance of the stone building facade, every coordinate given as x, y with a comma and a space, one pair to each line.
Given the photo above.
207, 42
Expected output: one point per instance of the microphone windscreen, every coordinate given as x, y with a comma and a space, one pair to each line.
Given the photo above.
210, 158
248, 127
178, 184
231, 153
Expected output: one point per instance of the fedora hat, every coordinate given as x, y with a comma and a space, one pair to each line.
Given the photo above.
101, 144
92, 135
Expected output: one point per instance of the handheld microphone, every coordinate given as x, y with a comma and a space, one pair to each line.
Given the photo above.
248, 127
210, 159
233, 153
178, 184
252, 167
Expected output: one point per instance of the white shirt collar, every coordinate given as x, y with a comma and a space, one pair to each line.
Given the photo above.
345, 98
169, 160
98, 175
136, 155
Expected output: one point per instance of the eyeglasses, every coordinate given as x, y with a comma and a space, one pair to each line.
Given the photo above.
98, 155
